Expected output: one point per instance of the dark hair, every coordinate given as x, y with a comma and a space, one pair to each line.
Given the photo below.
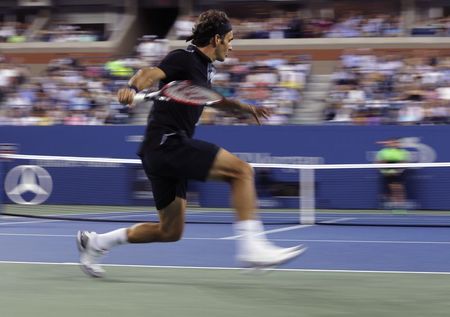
209, 24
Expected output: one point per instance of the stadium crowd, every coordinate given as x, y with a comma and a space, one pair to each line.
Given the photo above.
432, 27
53, 31
287, 24
13, 32
368, 88
375, 89
66, 93
354, 24
63, 33
71, 93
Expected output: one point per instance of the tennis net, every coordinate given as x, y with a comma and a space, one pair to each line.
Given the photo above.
117, 190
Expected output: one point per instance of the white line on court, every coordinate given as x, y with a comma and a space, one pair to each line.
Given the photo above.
218, 268
271, 231
27, 222
44, 235
338, 220
37, 235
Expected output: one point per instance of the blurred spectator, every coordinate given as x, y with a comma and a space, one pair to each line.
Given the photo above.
151, 49
60, 31
12, 32
365, 26
183, 26
432, 27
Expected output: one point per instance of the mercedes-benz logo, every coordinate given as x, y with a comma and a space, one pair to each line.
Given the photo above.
24, 179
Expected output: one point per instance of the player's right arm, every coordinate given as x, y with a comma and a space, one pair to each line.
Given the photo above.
144, 78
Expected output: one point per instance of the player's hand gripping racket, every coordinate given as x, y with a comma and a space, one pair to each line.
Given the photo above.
182, 92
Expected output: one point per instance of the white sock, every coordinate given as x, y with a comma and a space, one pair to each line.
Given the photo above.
248, 231
245, 227
251, 236
251, 228
106, 241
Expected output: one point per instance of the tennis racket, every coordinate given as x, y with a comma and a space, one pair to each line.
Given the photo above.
184, 92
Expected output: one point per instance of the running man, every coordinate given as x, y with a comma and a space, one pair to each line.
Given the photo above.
170, 156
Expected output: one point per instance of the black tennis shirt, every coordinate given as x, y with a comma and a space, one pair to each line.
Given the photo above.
189, 64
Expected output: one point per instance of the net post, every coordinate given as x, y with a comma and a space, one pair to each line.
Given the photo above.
307, 196
5, 149
2, 180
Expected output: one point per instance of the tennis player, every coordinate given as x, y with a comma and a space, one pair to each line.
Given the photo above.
170, 156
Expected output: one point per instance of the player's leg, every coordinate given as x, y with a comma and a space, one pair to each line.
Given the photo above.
93, 246
252, 247
169, 229
239, 174
170, 200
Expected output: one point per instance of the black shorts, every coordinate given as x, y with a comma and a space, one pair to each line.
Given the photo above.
170, 159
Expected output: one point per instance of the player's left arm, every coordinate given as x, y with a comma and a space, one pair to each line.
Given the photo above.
237, 106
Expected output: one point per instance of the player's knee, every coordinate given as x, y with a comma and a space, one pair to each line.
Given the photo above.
245, 170
236, 171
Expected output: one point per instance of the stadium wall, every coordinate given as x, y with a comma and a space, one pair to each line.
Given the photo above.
267, 144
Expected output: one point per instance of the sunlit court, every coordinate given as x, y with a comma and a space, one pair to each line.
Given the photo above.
224, 158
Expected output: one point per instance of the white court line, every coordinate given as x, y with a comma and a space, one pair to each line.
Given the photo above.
27, 222
43, 235
219, 268
270, 231
38, 235
338, 220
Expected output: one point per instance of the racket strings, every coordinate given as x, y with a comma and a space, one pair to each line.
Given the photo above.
186, 92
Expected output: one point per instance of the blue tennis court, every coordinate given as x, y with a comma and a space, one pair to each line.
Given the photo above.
347, 270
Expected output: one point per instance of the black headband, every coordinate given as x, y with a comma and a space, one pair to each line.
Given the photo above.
222, 29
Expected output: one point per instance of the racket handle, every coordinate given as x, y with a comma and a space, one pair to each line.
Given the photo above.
151, 95
138, 98
144, 96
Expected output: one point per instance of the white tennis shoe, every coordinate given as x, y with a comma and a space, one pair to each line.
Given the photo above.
89, 256
264, 254
269, 246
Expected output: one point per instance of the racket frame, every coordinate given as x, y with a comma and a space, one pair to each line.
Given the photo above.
164, 95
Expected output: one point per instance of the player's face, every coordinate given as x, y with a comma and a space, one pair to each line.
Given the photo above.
224, 46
